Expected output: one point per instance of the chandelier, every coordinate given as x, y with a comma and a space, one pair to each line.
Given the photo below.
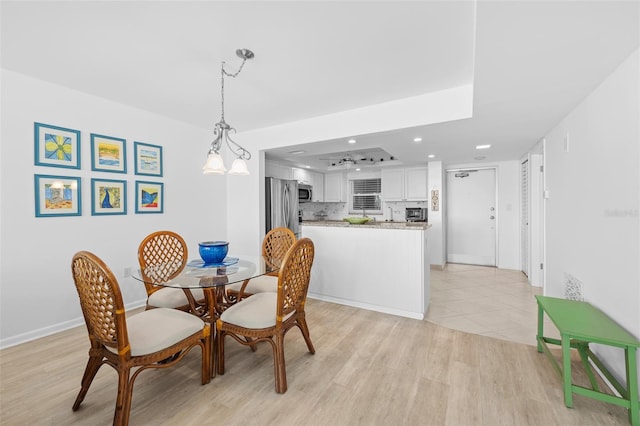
215, 164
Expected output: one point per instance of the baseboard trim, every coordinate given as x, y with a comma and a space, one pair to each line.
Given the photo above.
376, 308
53, 329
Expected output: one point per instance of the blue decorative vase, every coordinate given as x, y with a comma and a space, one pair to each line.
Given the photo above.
213, 251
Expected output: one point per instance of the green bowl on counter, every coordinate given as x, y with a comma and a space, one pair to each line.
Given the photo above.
356, 220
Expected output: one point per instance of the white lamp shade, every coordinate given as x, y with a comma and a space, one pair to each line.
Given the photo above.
239, 167
214, 165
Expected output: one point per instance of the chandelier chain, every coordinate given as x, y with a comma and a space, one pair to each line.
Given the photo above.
233, 75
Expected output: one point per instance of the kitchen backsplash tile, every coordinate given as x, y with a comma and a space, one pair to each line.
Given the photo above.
337, 211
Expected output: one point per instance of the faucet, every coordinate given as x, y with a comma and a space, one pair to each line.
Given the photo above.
391, 214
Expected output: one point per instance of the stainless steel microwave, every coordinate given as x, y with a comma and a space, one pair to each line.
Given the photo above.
304, 193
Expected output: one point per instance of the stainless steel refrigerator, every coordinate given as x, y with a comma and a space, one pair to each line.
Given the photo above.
281, 204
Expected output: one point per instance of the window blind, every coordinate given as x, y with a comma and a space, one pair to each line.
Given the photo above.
365, 194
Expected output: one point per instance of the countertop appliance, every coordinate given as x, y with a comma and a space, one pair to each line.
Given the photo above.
415, 214
281, 204
304, 193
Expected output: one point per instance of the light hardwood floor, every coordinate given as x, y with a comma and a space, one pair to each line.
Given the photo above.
369, 369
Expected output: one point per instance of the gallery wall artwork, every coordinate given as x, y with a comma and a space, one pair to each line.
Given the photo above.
108, 197
57, 196
149, 197
56, 146
108, 154
148, 159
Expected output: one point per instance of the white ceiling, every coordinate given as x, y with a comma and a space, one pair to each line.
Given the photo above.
530, 62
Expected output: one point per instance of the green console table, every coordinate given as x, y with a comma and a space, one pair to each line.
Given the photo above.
579, 324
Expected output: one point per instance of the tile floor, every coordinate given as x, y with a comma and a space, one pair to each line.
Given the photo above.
488, 301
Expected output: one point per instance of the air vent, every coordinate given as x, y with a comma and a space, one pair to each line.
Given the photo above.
572, 288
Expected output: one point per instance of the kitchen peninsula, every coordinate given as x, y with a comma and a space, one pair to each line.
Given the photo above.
380, 266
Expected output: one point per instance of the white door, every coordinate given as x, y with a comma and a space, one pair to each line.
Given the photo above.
524, 212
471, 217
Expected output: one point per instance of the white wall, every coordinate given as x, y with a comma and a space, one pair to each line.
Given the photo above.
508, 210
36, 287
592, 230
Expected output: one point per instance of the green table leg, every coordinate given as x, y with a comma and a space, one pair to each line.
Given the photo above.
566, 371
632, 385
540, 327
583, 347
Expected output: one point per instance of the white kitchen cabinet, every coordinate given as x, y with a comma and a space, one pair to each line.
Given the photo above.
408, 184
302, 176
393, 184
277, 170
416, 184
317, 180
334, 188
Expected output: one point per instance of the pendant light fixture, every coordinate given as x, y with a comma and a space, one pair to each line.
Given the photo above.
215, 163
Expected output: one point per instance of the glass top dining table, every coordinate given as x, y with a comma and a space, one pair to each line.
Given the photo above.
197, 274
212, 278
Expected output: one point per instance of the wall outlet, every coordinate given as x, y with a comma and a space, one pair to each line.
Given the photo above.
127, 271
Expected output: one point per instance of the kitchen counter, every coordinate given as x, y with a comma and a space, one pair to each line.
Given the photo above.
380, 266
370, 224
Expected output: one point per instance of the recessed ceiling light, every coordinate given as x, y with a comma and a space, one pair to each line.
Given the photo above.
298, 152
307, 167
431, 155
351, 141
357, 170
417, 139
483, 146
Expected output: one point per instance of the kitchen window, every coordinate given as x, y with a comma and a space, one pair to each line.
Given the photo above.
365, 194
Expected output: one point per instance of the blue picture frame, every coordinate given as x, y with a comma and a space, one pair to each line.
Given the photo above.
57, 196
108, 197
149, 197
56, 146
148, 159
108, 154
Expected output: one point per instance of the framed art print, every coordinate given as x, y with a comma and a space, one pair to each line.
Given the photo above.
148, 159
57, 196
108, 154
56, 146
149, 197
108, 197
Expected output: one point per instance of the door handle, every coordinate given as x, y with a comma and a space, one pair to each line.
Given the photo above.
492, 217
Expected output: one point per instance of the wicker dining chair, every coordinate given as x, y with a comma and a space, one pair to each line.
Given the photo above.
266, 317
167, 252
274, 247
157, 338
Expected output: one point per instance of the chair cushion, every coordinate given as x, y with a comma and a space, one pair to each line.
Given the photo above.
257, 311
156, 329
261, 284
169, 297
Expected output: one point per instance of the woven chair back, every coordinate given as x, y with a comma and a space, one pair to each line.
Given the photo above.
293, 278
162, 255
276, 244
100, 299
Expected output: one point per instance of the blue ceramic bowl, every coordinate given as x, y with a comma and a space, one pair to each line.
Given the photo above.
213, 251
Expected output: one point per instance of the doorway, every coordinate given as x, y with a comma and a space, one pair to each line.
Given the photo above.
472, 216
